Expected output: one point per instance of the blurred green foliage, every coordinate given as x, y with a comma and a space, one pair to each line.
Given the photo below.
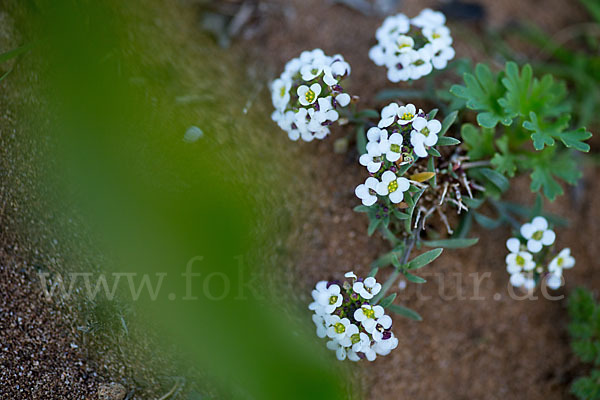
117, 85
585, 341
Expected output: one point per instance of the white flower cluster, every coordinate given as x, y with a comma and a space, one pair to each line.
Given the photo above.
411, 48
308, 93
526, 260
388, 148
355, 328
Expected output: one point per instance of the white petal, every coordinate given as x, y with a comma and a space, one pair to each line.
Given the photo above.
382, 189
548, 237
534, 246
540, 223
371, 182
513, 245
343, 99
396, 197
434, 126
527, 230
388, 176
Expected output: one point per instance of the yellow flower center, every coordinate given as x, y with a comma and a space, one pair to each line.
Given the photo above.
282, 91
403, 45
395, 148
355, 338
310, 96
332, 300
560, 261
520, 261
369, 313
425, 131
407, 116
339, 328
436, 36
538, 235
392, 187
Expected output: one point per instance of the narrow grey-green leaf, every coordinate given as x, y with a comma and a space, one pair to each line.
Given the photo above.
422, 260
451, 243
385, 303
405, 312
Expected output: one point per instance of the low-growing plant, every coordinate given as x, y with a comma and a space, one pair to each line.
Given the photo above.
585, 341
425, 184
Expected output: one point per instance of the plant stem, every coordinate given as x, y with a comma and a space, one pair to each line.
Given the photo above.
476, 164
409, 245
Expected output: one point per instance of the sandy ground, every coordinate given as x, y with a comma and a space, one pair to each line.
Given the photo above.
486, 349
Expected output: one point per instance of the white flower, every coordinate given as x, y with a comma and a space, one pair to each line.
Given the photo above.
537, 234
404, 44
520, 261
280, 93
517, 280
370, 352
372, 159
382, 323
554, 281
420, 62
312, 71
355, 339
325, 113
343, 99
529, 283
389, 114
428, 18
378, 55
384, 347
399, 69
392, 147
392, 186
330, 298
315, 306
375, 134
367, 289
340, 351
424, 134
513, 245
367, 191
368, 315
564, 260
441, 54
350, 274
438, 35
308, 96
337, 327
393, 25
319, 321
406, 114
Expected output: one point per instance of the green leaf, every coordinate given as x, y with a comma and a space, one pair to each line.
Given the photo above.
447, 141
504, 162
422, 260
15, 52
385, 303
574, 139
496, 178
432, 114
447, 123
412, 201
473, 203
373, 224
361, 140
368, 113
433, 152
362, 209
549, 167
482, 92
479, 142
405, 312
487, 222
451, 243
413, 278
543, 131
526, 94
